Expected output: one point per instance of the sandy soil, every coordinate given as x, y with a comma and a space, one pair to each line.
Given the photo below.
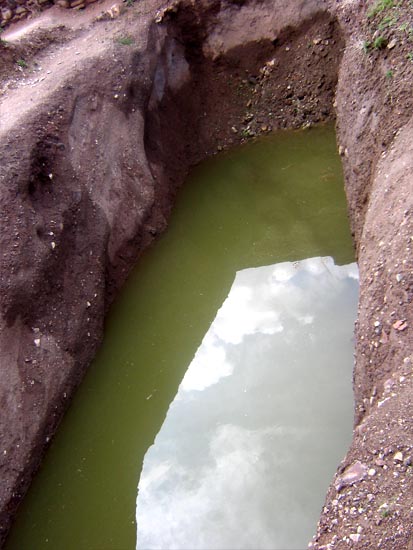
101, 114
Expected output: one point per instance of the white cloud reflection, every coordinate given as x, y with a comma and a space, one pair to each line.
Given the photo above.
258, 301
208, 366
247, 449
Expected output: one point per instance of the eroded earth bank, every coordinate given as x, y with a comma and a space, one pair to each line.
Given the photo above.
102, 112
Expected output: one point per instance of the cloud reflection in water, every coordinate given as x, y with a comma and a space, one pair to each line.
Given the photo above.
261, 418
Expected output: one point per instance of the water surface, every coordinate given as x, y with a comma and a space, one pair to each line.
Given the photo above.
280, 199
261, 418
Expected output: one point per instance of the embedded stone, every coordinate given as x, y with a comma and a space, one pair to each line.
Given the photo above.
353, 474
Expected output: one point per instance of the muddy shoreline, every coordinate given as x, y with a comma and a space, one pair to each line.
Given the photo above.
92, 157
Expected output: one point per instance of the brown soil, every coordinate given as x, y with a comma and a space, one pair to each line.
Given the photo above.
98, 130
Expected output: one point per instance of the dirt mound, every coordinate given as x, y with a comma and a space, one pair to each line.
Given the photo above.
18, 56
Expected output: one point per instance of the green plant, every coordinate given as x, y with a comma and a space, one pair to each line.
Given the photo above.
125, 40
387, 508
410, 56
379, 43
129, 3
247, 133
21, 63
388, 21
366, 46
379, 7
389, 74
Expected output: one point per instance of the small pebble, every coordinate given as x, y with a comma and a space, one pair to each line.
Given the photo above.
398, 457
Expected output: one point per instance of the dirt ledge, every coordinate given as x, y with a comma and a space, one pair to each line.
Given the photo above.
91, 167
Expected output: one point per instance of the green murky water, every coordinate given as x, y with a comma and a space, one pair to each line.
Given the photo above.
279, 199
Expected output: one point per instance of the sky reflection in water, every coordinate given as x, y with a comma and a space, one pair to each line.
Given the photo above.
261, 418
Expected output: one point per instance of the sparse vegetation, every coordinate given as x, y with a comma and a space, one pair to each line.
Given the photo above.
379, 43
247, 133
389, 74
389, 23
366, 46
125, 40
379, 7
21, 63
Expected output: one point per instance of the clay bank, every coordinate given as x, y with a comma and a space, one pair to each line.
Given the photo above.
100, 119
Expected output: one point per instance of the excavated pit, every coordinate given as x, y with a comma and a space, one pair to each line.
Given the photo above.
90, 167
192, 98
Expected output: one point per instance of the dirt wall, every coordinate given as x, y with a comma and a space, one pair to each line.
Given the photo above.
369, 504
